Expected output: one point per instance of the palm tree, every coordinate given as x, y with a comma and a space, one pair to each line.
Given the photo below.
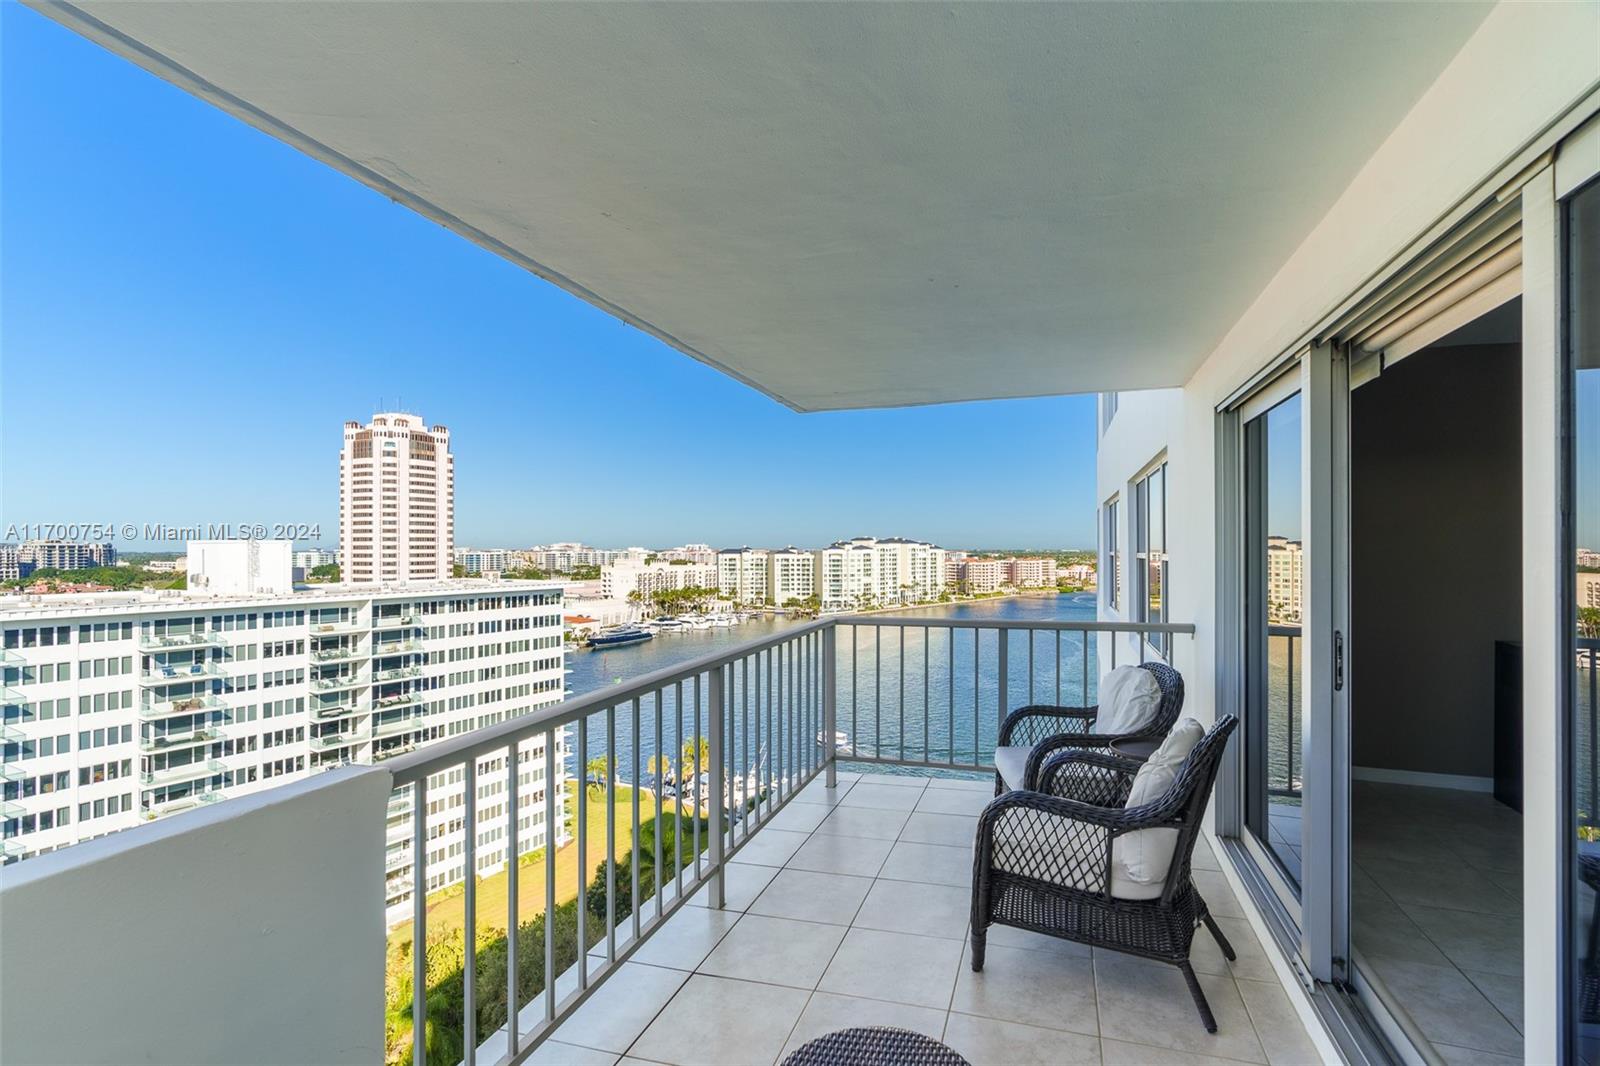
596, 769
659, 767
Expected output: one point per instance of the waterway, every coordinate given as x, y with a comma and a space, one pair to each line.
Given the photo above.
938, 689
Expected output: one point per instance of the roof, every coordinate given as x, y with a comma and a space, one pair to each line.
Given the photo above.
844, 206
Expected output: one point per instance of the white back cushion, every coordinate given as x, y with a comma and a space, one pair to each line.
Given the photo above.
1140, 860
1129, 700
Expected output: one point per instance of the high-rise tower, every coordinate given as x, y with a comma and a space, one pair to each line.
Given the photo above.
396, 501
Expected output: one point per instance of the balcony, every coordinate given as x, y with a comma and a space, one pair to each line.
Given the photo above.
334, 741
395, 647
172, 775
337, 682
179, 673
397, 726
163, 642
841, 903
326, 711
348, 625
185, 803
396, 673
342, 653
183, 705
399, 699
170, 741
404, 620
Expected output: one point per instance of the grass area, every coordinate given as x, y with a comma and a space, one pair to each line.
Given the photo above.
447, 907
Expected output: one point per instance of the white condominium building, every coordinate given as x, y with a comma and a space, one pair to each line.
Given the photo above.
1285, 569
742, 574
475, 561
791, 575
396, 501
621, 578
865, 571
124, 707
704, 554
560, 558
311, 558
66, 554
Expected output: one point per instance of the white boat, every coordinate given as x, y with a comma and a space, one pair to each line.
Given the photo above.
668, 624
722, 621
841, 740
698, 621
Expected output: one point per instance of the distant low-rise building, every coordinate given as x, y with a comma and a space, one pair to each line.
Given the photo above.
12, 568
1031, 573
1080, 573
702, 554
308, 559
982, 575
621, 578
742, 574
475, 561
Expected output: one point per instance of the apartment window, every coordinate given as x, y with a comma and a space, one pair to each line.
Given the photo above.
1150, 554
1111, 537
1108, 409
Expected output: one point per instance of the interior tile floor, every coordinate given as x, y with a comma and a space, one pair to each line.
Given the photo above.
1436, 913
852, 908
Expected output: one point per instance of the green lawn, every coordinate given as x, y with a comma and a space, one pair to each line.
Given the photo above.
447, 907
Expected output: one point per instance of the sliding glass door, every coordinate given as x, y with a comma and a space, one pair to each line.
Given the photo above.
1273, 573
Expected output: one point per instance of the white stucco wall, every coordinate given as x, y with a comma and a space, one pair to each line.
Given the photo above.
250, 931
1526, 67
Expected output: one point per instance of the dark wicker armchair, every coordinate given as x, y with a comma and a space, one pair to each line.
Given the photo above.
1047, 730
1044, 859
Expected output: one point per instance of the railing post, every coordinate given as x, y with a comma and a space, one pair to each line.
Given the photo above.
718, 886
830, 693
1005, 675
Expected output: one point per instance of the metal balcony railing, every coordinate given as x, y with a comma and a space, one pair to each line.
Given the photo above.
727, 740
160, 642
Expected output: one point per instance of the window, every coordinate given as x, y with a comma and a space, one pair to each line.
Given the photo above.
1111, 536
1150, 554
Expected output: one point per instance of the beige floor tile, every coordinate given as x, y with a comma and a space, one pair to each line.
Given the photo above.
1505, 992
809, 896
828, 1013
923, 909
900, 780
984, 785
885, 797
864, 822
918, 970
953, 801
1452, 886
951, 830
555, 1053
744, 883
1464, 1056
1379, 929
1447, 1007
713, 1021
930, 863
770, 847
780, 951
1471, 941
1043, 988
620, 1009
858, 856
1252, 962
1148, 1003
1122, 1053
1278, 1027
990, 1042
1214, 889
686, 938
819, 792
797, 817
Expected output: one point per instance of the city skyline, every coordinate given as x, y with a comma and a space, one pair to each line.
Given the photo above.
289, 300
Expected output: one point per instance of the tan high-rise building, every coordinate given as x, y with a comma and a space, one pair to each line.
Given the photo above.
397, 501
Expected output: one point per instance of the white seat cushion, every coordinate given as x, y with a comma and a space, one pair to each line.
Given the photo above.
1140, 860
1012, 762
1130, 699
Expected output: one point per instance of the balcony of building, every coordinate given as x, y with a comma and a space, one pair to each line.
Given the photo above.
173, 640
179, 705
161, 673
820, 905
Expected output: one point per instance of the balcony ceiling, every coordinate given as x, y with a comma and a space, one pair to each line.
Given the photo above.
845, 206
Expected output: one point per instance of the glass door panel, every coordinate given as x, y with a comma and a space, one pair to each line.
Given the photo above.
1274, 593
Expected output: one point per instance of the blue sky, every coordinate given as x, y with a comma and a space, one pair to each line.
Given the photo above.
192, 310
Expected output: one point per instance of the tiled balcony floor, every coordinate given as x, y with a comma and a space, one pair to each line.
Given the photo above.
851, 908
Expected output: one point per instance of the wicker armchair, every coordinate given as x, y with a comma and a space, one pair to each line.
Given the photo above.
1044, 859
1048, 729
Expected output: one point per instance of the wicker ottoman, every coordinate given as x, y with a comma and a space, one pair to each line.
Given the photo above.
876, 1045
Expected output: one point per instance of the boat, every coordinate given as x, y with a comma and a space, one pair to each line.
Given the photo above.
697, 621
666, 623
723, 621
841, 740
611, 638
